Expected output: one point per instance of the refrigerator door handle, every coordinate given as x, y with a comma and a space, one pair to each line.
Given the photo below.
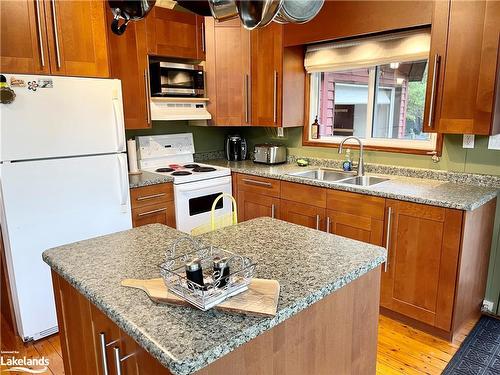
123, 180
120, 137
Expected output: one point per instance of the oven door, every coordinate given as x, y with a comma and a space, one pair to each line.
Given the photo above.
193, 202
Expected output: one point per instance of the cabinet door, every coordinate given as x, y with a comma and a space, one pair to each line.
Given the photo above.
74, 318
78, 44
424, 244
174, 34
302, 214
356, 216
252, 205
267, 75
129, 63
228, 72
23, 45
163, 213
106, 337
365, 229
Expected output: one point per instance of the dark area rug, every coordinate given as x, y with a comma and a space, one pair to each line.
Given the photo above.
479, 354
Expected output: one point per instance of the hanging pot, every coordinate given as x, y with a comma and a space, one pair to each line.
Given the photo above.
128, 10
298, 11
223, 10
200, 7
257, 13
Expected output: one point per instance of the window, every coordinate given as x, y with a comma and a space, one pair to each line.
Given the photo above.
372, 89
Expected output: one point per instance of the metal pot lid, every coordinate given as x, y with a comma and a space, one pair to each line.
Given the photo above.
255, 13
298, 11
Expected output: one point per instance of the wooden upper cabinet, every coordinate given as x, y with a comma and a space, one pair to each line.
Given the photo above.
129, 63
23, 43
464, 51
78, 44
175, 34
227, 70
54, 37
424, 245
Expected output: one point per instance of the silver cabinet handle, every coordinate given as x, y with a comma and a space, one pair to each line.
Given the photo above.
203, 36
328, 224
56, 34
272, 210
255, 182
145, 197
275, 97
388, 237
118, 360
146, 84
317, 222
102, 339
39, 32
246, 99
152, 212
437, 62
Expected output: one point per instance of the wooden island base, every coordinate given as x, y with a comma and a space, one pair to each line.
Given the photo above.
337, 335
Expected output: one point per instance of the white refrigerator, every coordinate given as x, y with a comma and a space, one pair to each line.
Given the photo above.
63, 178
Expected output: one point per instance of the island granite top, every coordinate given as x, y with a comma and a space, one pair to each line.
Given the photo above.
419, 190
308, 264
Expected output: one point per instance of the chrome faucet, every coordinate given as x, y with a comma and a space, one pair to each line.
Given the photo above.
361, 164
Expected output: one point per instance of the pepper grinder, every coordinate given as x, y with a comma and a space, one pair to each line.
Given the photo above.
221, 271
194, 273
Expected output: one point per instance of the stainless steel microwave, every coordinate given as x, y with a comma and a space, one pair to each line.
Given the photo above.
176, 79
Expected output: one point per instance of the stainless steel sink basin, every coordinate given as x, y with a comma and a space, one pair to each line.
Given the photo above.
363, 180
323, 174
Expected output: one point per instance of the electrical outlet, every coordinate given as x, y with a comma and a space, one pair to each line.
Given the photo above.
468, 141
487, 306
281, 132
494, 142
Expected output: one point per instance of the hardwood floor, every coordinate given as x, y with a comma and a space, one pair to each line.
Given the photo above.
401, 349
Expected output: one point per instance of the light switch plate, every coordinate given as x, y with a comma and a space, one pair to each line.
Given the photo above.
494, 142
468, 141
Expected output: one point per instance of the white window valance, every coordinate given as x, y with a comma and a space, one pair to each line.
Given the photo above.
369, 51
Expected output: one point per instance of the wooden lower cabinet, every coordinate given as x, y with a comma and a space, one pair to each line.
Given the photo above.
356, 216
253, 205
84, 331
303, 214
424, 244
153, 204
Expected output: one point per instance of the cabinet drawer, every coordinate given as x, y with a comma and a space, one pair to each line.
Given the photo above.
149, 195
162, 213
356, 204
311, 195
261, 185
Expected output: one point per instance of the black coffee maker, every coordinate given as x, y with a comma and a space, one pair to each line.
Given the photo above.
235, 148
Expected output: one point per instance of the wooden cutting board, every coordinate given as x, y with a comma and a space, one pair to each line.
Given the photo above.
261, 298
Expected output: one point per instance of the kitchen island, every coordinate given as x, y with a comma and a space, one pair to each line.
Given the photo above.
326, 320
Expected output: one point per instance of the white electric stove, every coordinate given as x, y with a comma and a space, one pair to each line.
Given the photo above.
196, 185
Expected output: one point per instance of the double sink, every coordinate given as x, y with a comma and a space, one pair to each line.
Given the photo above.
334, 175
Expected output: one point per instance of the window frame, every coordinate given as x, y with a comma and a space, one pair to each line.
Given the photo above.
372, 144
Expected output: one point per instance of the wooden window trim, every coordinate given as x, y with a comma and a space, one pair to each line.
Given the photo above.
402, 150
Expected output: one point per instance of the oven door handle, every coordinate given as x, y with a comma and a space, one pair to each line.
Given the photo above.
204, 184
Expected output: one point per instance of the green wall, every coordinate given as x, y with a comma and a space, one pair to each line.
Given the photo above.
206, 138
454, 158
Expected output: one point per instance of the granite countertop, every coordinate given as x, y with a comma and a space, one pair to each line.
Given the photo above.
436, 192
147, 178
308, 264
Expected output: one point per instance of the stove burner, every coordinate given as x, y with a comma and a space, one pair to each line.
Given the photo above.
181, 173
191, 166
164, 170
204, 169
